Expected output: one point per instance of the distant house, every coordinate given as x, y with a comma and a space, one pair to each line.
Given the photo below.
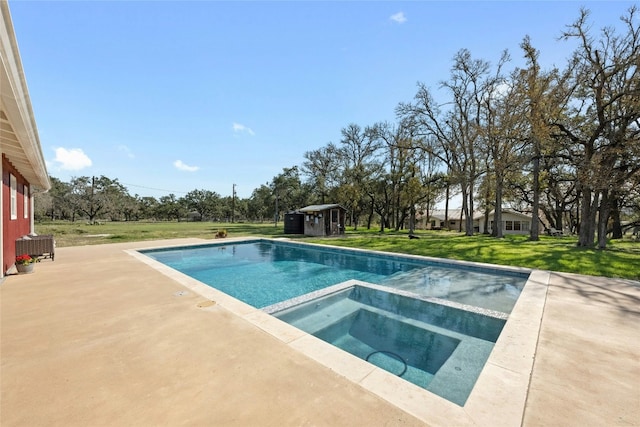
455, 220
512, 222
324, 220
24, 171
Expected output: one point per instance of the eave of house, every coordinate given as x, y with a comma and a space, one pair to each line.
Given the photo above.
19, 140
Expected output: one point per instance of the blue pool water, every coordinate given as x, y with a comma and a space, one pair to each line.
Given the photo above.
262, 273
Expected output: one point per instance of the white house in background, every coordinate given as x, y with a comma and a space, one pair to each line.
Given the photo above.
512, 222
24, 171
454, 220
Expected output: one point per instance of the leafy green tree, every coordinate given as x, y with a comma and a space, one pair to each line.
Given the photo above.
260, 205
147, 207
359, 150
170, 208
289, 192
88, 197
537, 88
205, 202
55, 203
322, 169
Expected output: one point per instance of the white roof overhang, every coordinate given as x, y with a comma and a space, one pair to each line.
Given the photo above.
19, 140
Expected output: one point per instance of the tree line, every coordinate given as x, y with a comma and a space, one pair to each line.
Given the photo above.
564, 142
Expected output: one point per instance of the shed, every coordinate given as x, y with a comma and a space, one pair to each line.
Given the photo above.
324, 220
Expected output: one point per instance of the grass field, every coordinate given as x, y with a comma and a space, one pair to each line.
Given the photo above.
620, 259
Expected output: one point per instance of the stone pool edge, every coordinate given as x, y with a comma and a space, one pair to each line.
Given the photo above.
501, 388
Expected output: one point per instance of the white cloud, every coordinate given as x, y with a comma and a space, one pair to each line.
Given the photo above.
126, 150
398, 18
72, 159
180, 165
238, 128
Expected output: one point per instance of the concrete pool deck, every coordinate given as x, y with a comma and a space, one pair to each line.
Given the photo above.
100, 338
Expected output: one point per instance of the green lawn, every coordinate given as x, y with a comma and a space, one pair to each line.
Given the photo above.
620, 259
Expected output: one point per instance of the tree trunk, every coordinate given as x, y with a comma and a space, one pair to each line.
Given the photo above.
412, 219
497, 224
534, 232
497, 215
603, 219
464, 207
370, 217
446, 206
486, 221
615, 216
469, 220
557, 214
588, 218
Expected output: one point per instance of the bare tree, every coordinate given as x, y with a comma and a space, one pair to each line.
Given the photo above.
454, 135
602, 121
359, 150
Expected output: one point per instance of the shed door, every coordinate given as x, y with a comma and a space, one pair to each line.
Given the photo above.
327, 225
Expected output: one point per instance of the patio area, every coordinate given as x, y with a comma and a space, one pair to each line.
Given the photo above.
99, 338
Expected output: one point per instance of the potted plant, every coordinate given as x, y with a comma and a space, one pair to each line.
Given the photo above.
24, 263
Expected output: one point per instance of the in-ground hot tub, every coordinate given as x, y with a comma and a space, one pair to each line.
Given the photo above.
438, 345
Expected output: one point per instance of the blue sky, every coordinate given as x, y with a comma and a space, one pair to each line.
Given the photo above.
172, 96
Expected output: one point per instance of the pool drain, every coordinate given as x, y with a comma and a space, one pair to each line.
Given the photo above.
181, 293
393, 355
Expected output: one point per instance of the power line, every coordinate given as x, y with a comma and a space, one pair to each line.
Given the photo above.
156, 189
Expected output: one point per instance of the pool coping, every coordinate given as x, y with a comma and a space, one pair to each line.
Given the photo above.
501, 388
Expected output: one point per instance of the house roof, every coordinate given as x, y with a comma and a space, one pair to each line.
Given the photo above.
456, 214
18, 132
512, 212
320, 208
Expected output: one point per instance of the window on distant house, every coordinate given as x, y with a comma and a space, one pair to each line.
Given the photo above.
26, 201
508, 225
525, 225
14, 196
516, 225
433, 223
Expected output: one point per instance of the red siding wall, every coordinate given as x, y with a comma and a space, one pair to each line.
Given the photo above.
12, 229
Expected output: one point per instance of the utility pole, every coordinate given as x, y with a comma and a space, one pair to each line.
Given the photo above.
276, 214
233, 204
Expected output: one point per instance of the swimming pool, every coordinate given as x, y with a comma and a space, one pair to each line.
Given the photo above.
262, 273
431, 323
501, 387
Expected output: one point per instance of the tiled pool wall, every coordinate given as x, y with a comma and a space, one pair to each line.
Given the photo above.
474, 321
